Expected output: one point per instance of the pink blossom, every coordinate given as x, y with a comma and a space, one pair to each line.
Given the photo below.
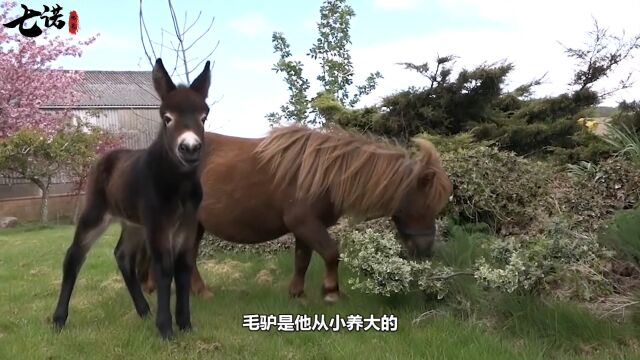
27, 79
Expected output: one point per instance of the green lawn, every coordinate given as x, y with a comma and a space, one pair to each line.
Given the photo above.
103, 324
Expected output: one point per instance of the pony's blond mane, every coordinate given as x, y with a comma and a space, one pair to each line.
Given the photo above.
361, 174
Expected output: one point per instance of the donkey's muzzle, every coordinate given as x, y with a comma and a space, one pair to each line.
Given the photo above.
190, 152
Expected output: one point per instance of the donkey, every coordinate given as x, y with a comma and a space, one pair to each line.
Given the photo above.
155, 194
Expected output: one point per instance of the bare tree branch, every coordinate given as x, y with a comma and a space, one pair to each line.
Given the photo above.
177, 41
599, 58
143, 26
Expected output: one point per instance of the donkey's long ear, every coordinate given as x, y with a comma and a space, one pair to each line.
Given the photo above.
161, 80
203, 81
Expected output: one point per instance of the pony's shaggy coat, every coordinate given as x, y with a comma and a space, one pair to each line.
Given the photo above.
362, 175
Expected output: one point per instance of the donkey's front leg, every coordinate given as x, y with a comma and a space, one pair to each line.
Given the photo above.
183, 271
163, 269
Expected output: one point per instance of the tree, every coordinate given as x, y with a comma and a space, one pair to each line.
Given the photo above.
178, 43
87, 143
331, 51
28, 80
446, 105
600, 57
35, 155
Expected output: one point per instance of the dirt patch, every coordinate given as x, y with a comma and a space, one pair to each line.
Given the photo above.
264, 277
115, 282
39, 271
207, 347
227, 270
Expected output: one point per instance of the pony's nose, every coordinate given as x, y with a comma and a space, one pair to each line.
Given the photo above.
190, 151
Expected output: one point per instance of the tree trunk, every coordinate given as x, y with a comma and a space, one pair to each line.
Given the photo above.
44, 207
76, 211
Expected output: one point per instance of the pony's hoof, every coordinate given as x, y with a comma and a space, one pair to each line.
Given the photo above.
332, 298
148, 288
294, 294
205, 294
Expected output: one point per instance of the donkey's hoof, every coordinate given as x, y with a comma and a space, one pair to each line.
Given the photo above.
58, 322
144, 311
167, 334
185, 327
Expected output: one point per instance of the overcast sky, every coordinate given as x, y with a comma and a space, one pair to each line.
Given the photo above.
384, 32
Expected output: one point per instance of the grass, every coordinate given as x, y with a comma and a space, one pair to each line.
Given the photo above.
103, 325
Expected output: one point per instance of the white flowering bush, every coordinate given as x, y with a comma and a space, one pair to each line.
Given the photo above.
570, 263
376, 258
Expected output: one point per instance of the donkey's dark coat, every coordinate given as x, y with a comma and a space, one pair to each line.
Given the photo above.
155, 194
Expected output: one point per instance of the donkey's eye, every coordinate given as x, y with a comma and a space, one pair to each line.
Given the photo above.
167, 119
203, 118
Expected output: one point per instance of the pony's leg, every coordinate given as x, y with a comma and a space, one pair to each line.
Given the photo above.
92, 223
130, 246
302, 259
198, 286
310, 230
145, 270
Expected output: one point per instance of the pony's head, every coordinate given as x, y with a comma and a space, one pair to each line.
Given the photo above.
184, 111
416, 213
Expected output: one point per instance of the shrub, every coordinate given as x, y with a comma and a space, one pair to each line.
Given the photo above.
625, 140
568, 263
457, 142
563, 140
496, 187
211, 244
377, 259
628, 115
592, 197
623, 235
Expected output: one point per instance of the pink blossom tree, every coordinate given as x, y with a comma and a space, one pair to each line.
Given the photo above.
34, 144
27, 79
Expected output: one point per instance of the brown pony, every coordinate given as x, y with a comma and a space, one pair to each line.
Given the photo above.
154, 193
301, 181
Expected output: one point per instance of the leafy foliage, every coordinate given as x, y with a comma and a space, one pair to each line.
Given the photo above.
628, 115
569, 263
592, 197
297, 107
212, 244
376, 258
623, 235
625, 141
37, 156
445, 106
331, 51
602, 54
495, 187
